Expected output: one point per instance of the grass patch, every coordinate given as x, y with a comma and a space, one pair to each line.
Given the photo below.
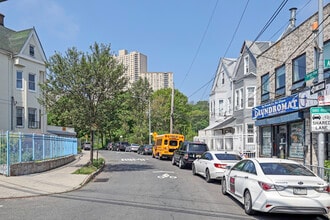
90, 168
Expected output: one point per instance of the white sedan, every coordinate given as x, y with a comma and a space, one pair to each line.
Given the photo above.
276, 186
212, 164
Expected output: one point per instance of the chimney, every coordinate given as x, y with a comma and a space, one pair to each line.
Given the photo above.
2, 19
293, 17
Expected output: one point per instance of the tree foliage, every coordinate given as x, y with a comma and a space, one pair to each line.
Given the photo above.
80, 87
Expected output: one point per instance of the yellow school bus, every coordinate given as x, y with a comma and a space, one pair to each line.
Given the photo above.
165, 144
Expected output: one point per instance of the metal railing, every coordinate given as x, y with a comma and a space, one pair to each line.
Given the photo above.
20, 147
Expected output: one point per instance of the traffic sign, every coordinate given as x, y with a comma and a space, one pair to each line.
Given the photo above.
311, 75
318, 87
320, 119
326, 63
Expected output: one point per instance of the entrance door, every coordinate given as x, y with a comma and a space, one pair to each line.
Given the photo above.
280, 141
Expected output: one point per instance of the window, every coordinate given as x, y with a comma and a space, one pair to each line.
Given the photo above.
298, 72
32, 118
19, 116
221, 110
236, 99
266, 141
265, 87
32, 50
246, 65
229, 105
250, 97
32, 82
296, 148
223, 78
239, 99
19, 80
280, 81
250, 133
326, 55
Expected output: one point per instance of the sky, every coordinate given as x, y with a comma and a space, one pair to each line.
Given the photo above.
186, 37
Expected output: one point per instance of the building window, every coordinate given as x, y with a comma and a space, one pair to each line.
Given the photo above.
19, 80
326, 55
32, 82
33, 123
32, 50
19, 116
266, 141
229, 106
250, 133
298, 72
246, 65
250, 97
236, 99
223, 78
221, 110
265, 87
241, 98
280, 81
296, 148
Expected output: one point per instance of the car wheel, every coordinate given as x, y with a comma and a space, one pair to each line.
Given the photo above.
181, 163
223, 187
193, 168
248, 203
207, 176
173, 161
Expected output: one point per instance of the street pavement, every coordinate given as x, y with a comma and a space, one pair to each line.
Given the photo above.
57, 180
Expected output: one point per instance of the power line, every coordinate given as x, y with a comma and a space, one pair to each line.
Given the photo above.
201, 42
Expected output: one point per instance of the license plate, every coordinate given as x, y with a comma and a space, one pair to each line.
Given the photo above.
300, 191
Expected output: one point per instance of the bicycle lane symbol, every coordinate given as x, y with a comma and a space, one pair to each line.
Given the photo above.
165, 175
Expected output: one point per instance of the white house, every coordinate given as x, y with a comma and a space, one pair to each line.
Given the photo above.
22, 68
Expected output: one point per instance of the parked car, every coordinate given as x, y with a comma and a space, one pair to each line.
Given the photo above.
122, 146
212, 164
109, 146
145, 149
188, 152
277, 186
87, 146
134, 147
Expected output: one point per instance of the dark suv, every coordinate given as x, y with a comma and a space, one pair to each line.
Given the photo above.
187, 153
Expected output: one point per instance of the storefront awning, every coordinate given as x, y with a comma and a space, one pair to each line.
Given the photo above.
280, 119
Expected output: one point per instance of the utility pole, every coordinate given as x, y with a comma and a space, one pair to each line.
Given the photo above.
172, 107
149, 115
320, 138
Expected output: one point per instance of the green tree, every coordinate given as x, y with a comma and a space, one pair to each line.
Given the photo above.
79, 86
161, 111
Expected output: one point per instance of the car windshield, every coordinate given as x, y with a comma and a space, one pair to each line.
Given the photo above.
224, 156
197, 147
285, 169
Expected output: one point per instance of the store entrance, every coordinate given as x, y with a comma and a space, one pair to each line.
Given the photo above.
280, 141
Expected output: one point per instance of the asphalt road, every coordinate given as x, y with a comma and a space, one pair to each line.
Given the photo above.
134, 186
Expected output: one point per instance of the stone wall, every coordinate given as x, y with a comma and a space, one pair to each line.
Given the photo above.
39, 166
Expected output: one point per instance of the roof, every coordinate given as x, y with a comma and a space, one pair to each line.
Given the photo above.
230, 122
13, 41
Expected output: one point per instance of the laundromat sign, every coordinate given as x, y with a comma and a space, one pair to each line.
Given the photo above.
284, 105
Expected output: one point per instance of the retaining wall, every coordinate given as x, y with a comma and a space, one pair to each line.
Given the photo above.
25, 168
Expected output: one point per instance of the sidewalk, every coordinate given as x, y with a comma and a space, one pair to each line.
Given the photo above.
54, 181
